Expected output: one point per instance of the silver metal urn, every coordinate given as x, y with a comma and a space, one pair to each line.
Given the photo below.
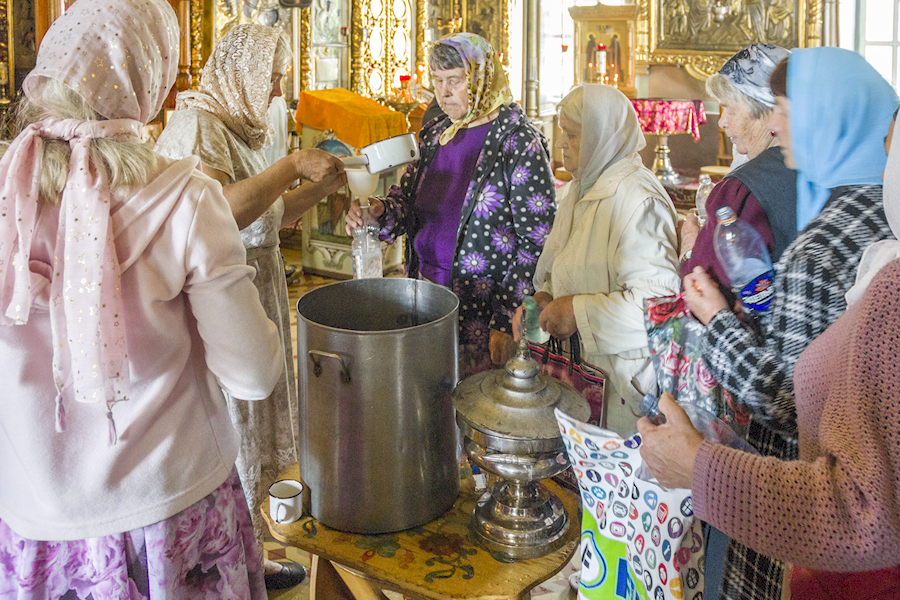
509, 429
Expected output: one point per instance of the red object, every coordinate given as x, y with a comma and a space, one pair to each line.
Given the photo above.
668, 117
404, 78
808, 584
565, 47
601, 46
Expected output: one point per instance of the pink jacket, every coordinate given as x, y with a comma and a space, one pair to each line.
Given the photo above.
838, 508
194, 326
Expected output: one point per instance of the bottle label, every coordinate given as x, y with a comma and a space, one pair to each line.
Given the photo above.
757, 294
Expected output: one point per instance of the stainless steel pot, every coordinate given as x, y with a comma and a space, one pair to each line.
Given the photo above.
376, 365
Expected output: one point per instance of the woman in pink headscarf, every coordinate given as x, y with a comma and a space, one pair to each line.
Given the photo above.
128, 305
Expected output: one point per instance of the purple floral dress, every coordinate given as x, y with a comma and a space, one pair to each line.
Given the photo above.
205, 552
506, 215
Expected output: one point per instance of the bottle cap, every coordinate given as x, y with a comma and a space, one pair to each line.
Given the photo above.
724, 214
705, 178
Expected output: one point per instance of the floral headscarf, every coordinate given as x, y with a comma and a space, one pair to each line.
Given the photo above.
749, 70
122, 58
236, 82
488, 86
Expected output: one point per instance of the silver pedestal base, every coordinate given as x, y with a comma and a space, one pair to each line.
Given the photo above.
519, 520
662, 165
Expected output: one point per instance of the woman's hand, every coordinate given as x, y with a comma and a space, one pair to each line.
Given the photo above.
354, 213
315, 165
702, 295
688, 230
502, 347
558, 318
669, 449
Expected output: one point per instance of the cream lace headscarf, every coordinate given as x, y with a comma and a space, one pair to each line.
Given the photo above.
236, 82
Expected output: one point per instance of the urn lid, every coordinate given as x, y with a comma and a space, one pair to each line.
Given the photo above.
517, 401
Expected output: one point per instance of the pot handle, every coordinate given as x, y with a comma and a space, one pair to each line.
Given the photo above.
355, 161
317, 366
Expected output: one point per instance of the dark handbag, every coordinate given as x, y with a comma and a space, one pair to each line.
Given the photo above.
568, 367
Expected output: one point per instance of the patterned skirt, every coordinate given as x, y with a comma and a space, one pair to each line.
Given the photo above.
206, 551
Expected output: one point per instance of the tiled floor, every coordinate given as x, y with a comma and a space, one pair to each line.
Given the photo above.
556, 588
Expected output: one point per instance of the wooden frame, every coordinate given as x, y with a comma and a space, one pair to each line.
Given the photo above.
600, 24
701, 35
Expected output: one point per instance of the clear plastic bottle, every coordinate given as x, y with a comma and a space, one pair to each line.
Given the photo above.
533, 330
703, 192
365, 250
746, 261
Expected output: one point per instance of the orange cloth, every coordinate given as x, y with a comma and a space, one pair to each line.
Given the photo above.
355, 119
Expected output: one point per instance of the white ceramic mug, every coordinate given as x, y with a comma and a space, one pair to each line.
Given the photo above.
286, 501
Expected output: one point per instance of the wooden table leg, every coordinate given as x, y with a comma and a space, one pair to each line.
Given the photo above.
330, 581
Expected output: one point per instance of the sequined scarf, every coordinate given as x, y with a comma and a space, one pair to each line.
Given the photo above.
124, 61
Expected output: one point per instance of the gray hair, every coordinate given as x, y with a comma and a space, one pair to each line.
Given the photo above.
444, 57
283, 55
723, 91
127, 161
570, 106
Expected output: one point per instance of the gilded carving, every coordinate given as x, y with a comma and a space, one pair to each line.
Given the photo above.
305, 41
701, 35
357, 33
421, 25
7, 58
196, 41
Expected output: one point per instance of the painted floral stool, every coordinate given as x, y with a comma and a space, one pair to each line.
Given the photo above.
435, 560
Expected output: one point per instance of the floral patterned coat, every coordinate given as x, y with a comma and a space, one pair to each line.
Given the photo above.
507, 213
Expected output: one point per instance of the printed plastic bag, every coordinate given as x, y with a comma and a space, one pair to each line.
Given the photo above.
638, 540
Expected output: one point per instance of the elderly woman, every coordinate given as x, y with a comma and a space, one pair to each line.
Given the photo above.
226, 124
763, 193
128, 309
479, 202
845, 384
612, 246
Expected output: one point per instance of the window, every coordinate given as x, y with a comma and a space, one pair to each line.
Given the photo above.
870, 27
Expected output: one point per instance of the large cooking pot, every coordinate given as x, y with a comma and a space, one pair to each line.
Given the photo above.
376, 365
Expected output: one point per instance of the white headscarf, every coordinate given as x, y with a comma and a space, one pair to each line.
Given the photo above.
881, 253
609, 132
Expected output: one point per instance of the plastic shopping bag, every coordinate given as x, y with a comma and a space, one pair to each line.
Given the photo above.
638, 540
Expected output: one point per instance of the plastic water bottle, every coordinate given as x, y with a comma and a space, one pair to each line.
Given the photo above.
365, 250
703, 192
533, 331
746, 261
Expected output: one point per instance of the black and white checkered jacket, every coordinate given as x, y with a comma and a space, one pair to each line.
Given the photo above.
810, 281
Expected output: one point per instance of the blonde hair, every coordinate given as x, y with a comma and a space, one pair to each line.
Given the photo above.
127, 161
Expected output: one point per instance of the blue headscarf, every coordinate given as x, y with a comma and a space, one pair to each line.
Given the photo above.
840, 111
